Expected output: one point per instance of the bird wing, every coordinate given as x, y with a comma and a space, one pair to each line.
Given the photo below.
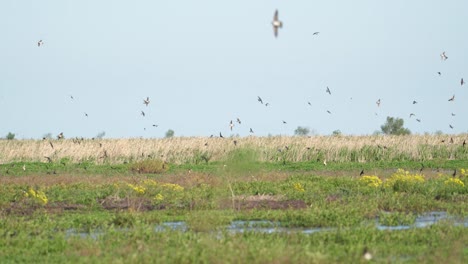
275, 17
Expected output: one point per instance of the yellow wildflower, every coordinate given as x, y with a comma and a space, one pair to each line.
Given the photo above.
454, 181
174, 187
371, 181
299, 187
159, 197
136, 188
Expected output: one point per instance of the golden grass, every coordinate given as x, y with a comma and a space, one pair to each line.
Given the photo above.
201, 149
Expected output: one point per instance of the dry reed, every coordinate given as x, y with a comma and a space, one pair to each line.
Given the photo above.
201, 149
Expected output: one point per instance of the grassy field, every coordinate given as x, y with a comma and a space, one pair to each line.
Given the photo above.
329, 199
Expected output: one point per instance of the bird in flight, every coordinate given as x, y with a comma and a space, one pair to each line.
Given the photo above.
328, 90
155, 125
452, 98
451, 126
443, 56
414, 102
231, 125
309, 103
142, 113
276, 23
462, 82
86, 114
260, 99
453, 114
411, 115
267, 104
439, 73
328, 111
146, 101
251, 130
419, 120
378, 103
239, 121
40, 43
60, 136
316, 33
284, 122
220, 135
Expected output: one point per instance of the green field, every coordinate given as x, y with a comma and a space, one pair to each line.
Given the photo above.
268, 202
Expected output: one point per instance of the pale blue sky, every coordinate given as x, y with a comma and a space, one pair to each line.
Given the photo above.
203, 63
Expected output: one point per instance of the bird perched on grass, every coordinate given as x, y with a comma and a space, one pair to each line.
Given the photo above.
276, 23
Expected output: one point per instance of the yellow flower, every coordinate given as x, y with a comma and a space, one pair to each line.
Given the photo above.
371, 181
174, 187
454, 181
463, 172
299, 187
138, 189
38, 195
159, 197
402, 176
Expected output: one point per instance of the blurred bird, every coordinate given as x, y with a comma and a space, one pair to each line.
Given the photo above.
251, 131
362, 173
284, 122
316, 33
464, 143
419, 120
276, 23
86, 114
410, 115
309, 103
40, 43
155, 125
454, 173
231, 125
443, 56
328, 111
267, 104
414, 102
260, 99
462, 82
238, 121
146, 101
439, 73
220, 135
51, 145
71, 97
60, 136
142, 113
328, 90
378, 103
452, 99
453, 114
451, 126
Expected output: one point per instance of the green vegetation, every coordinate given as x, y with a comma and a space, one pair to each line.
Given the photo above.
394, 126
103, 211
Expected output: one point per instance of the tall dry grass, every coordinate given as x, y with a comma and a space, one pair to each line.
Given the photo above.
201, 149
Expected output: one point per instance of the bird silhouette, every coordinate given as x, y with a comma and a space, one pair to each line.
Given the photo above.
362, 173
267, 104
146, 101
328, 90
414, 102
443, 56
260, 99
410, 115
419, 120
309, 103
40, 43
220, 135
462, 82
239, 121
453, 114
452, 98
464, 143
231, 125
276, 23
155, 125
251, 131
284, 122
451, 126
316, 33
439, 73
328, 111
86, 114
378, 103
142, 113
60, 136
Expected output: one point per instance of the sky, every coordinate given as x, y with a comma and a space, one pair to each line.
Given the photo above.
204, 63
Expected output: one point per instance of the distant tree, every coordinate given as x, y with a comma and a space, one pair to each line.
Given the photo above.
394, 126
337, 132
101, 135
301, 131
439, 132
10, 136
170, 133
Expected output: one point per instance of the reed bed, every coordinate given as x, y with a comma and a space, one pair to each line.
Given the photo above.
182, 150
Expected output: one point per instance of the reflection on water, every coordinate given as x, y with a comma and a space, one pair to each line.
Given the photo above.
270, 227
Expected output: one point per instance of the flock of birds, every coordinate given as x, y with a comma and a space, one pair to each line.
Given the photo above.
277, 24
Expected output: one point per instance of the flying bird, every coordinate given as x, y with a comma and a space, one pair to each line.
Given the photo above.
453, 114
60, 136
443, 56
309, 103
251, 131
260, 99
155, 125
328, 90
267, 104
146, 101
238, 121
276, 23
439, 73
220, 135
462, 82
410, 115
414, 102
142, 113
86, 114
40, 43
378, 103
451, 126
419, 120
316, 33
284, 122
328, 111
452, 99
231, 125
